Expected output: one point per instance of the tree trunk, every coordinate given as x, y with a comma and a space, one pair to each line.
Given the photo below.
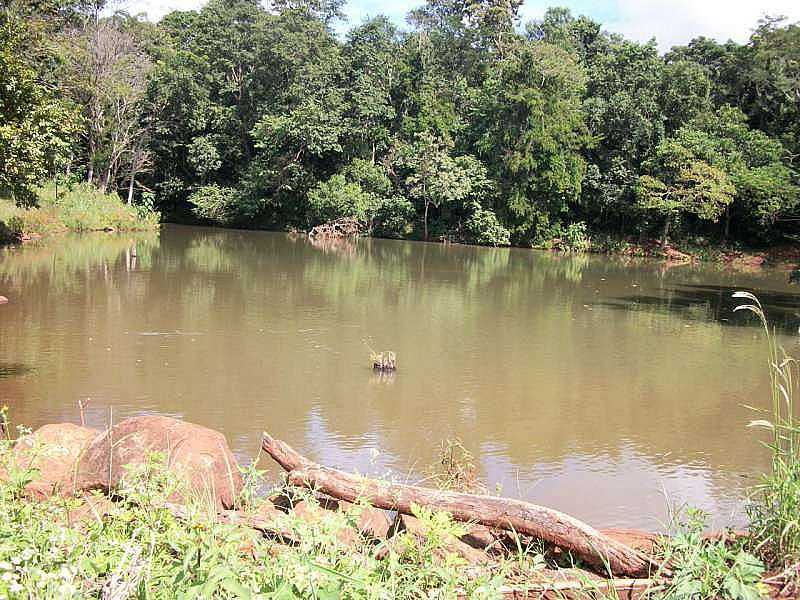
665, 232
727, 229
130, 188
104, 181
425, 221
547, 524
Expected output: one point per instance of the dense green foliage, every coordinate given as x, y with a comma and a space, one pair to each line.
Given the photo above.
468, 126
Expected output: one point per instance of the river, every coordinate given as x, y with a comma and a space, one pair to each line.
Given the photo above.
608, 388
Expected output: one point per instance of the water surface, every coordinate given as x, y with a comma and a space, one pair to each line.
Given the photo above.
603, 387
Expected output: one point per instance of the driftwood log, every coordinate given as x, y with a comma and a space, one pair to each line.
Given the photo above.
562, 530
339, 228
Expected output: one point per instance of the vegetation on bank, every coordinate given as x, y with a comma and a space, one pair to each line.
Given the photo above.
74, 207
469, 125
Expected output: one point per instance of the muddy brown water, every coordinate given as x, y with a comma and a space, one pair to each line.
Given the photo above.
607, 388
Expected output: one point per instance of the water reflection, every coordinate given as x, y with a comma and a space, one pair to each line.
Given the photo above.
715, 302
544, 365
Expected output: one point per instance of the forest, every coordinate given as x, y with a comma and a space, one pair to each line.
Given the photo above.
464, 125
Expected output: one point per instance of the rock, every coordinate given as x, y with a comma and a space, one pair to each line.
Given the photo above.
267, 511
312, 513
93, 507
52, 451
451, 545
479, 536
675, 255
370, 521
197, 456
642, 541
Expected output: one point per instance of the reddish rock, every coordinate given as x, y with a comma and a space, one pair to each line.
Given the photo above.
642, 541
93, 507
313, 513
479, 536
451, 544
370, 521
198, 457
267, 511
51, 452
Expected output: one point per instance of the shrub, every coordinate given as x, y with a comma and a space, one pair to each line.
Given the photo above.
336, 198
392, 217
710, 568
576, 237
484, 228
222, 205
75, 207
362, 191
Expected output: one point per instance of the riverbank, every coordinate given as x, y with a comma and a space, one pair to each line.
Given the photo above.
686, 252
83, 516
579, 240
75, 207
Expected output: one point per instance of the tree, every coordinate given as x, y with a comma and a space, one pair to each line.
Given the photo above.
717, 164
529, 129
623, 112
683, 185
775, 77
106, 72
36, 128
371, 55
757, 165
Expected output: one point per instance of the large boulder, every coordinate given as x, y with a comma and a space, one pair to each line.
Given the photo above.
197, 457
49, 454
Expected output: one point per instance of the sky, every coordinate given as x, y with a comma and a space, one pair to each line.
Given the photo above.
671, 22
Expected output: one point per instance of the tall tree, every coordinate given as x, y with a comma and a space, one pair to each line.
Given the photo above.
36, 128
529, 129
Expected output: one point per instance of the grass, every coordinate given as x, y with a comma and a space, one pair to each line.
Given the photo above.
140, 549
775, 510
75, 207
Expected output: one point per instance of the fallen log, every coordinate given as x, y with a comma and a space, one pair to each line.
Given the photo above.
562, 530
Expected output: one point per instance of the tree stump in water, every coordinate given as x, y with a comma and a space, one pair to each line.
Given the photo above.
384, 361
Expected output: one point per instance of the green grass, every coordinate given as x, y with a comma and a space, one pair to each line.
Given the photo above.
75, 207
775, 509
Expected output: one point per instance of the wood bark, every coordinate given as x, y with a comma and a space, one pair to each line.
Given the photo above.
566, 532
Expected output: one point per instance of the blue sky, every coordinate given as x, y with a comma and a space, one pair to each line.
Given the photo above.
669, 21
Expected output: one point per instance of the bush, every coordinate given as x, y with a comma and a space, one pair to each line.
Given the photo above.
336, 198
82, 207
484, 228
362, 191
710, 568
222, 205
392, 217
576, 237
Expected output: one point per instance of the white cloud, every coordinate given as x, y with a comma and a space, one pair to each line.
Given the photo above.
669, 21
155, 9
678, 21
